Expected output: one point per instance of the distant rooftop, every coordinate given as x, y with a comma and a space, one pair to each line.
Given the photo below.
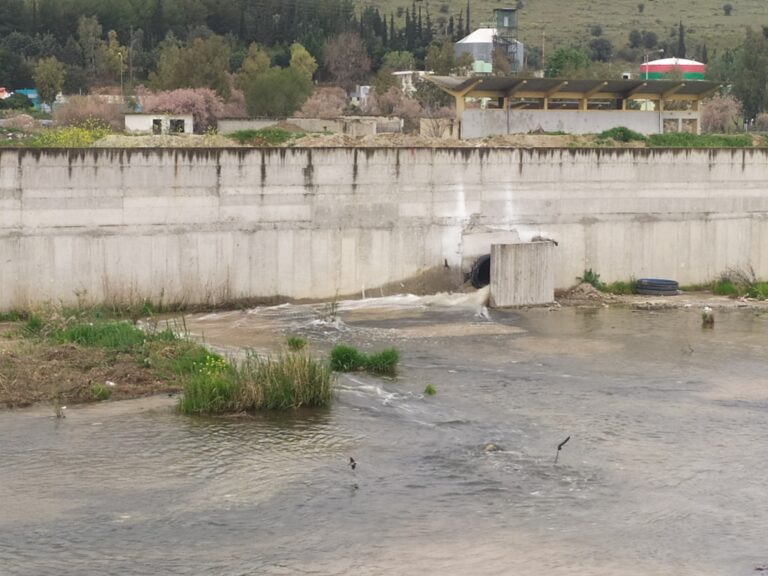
479, 36
554, 88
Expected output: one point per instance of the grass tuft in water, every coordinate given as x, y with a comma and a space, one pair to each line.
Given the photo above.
383, 363
281, 382
346, 359
209, 386
295, 343
430, 390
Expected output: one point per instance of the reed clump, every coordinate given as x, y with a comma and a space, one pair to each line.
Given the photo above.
209, 386
348, 359
281, 382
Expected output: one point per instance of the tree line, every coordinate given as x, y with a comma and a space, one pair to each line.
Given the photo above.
79, 45
96, 40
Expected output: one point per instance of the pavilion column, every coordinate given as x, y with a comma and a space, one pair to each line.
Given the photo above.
661, 115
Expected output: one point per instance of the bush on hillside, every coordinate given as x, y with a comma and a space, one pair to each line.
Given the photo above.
324, 103
203, 103
79, 110
720, 114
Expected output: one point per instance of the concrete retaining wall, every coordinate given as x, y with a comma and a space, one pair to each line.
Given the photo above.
356, 126
205, 225
477, 123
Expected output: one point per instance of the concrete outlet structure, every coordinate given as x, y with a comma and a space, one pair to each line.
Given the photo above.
206, 225
522, 274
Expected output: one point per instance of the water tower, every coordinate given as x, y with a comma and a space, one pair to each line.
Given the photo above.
506, 35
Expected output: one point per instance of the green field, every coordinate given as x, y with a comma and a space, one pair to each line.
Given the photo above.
568, 23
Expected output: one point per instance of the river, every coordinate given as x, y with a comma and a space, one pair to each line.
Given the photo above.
665, 471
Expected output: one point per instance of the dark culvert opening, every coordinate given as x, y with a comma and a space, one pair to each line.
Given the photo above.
481, 272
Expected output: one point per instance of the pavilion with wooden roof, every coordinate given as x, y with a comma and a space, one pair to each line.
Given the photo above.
515, 105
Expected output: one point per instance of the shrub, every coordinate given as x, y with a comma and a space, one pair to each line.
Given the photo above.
16, 101
264, 137
622, 134
89, 110
725, 287
234, 107
346, 359
69, 137
203, 103
621, 287
761, 122
383, 363
100, 392
324, 103
759, 291
687, 140
720, 114
12, 316
394, 103
34, 325
592, 278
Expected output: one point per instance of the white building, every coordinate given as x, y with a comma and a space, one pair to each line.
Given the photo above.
159, 123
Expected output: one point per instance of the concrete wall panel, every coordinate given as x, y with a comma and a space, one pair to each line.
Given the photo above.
522, 274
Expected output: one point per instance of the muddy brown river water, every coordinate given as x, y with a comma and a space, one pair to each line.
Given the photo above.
666, 471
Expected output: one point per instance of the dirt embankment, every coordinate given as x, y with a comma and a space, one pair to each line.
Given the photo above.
34, 371
586, 295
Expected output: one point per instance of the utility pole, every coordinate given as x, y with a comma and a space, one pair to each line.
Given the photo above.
122, 98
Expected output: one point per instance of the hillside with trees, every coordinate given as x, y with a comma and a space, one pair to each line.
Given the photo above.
268, 57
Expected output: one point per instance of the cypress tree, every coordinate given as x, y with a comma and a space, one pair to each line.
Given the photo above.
469, 20
681, 41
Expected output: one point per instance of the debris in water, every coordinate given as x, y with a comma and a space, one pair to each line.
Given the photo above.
707, 318
483, 313
560, 447
352, 463
491, 447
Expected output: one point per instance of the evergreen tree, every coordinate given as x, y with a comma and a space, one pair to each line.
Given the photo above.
681, 40
469, 20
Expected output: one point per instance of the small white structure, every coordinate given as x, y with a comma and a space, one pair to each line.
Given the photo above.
360, 96
159, 123
407, 79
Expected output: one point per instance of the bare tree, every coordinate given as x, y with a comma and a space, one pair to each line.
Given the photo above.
347, 60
